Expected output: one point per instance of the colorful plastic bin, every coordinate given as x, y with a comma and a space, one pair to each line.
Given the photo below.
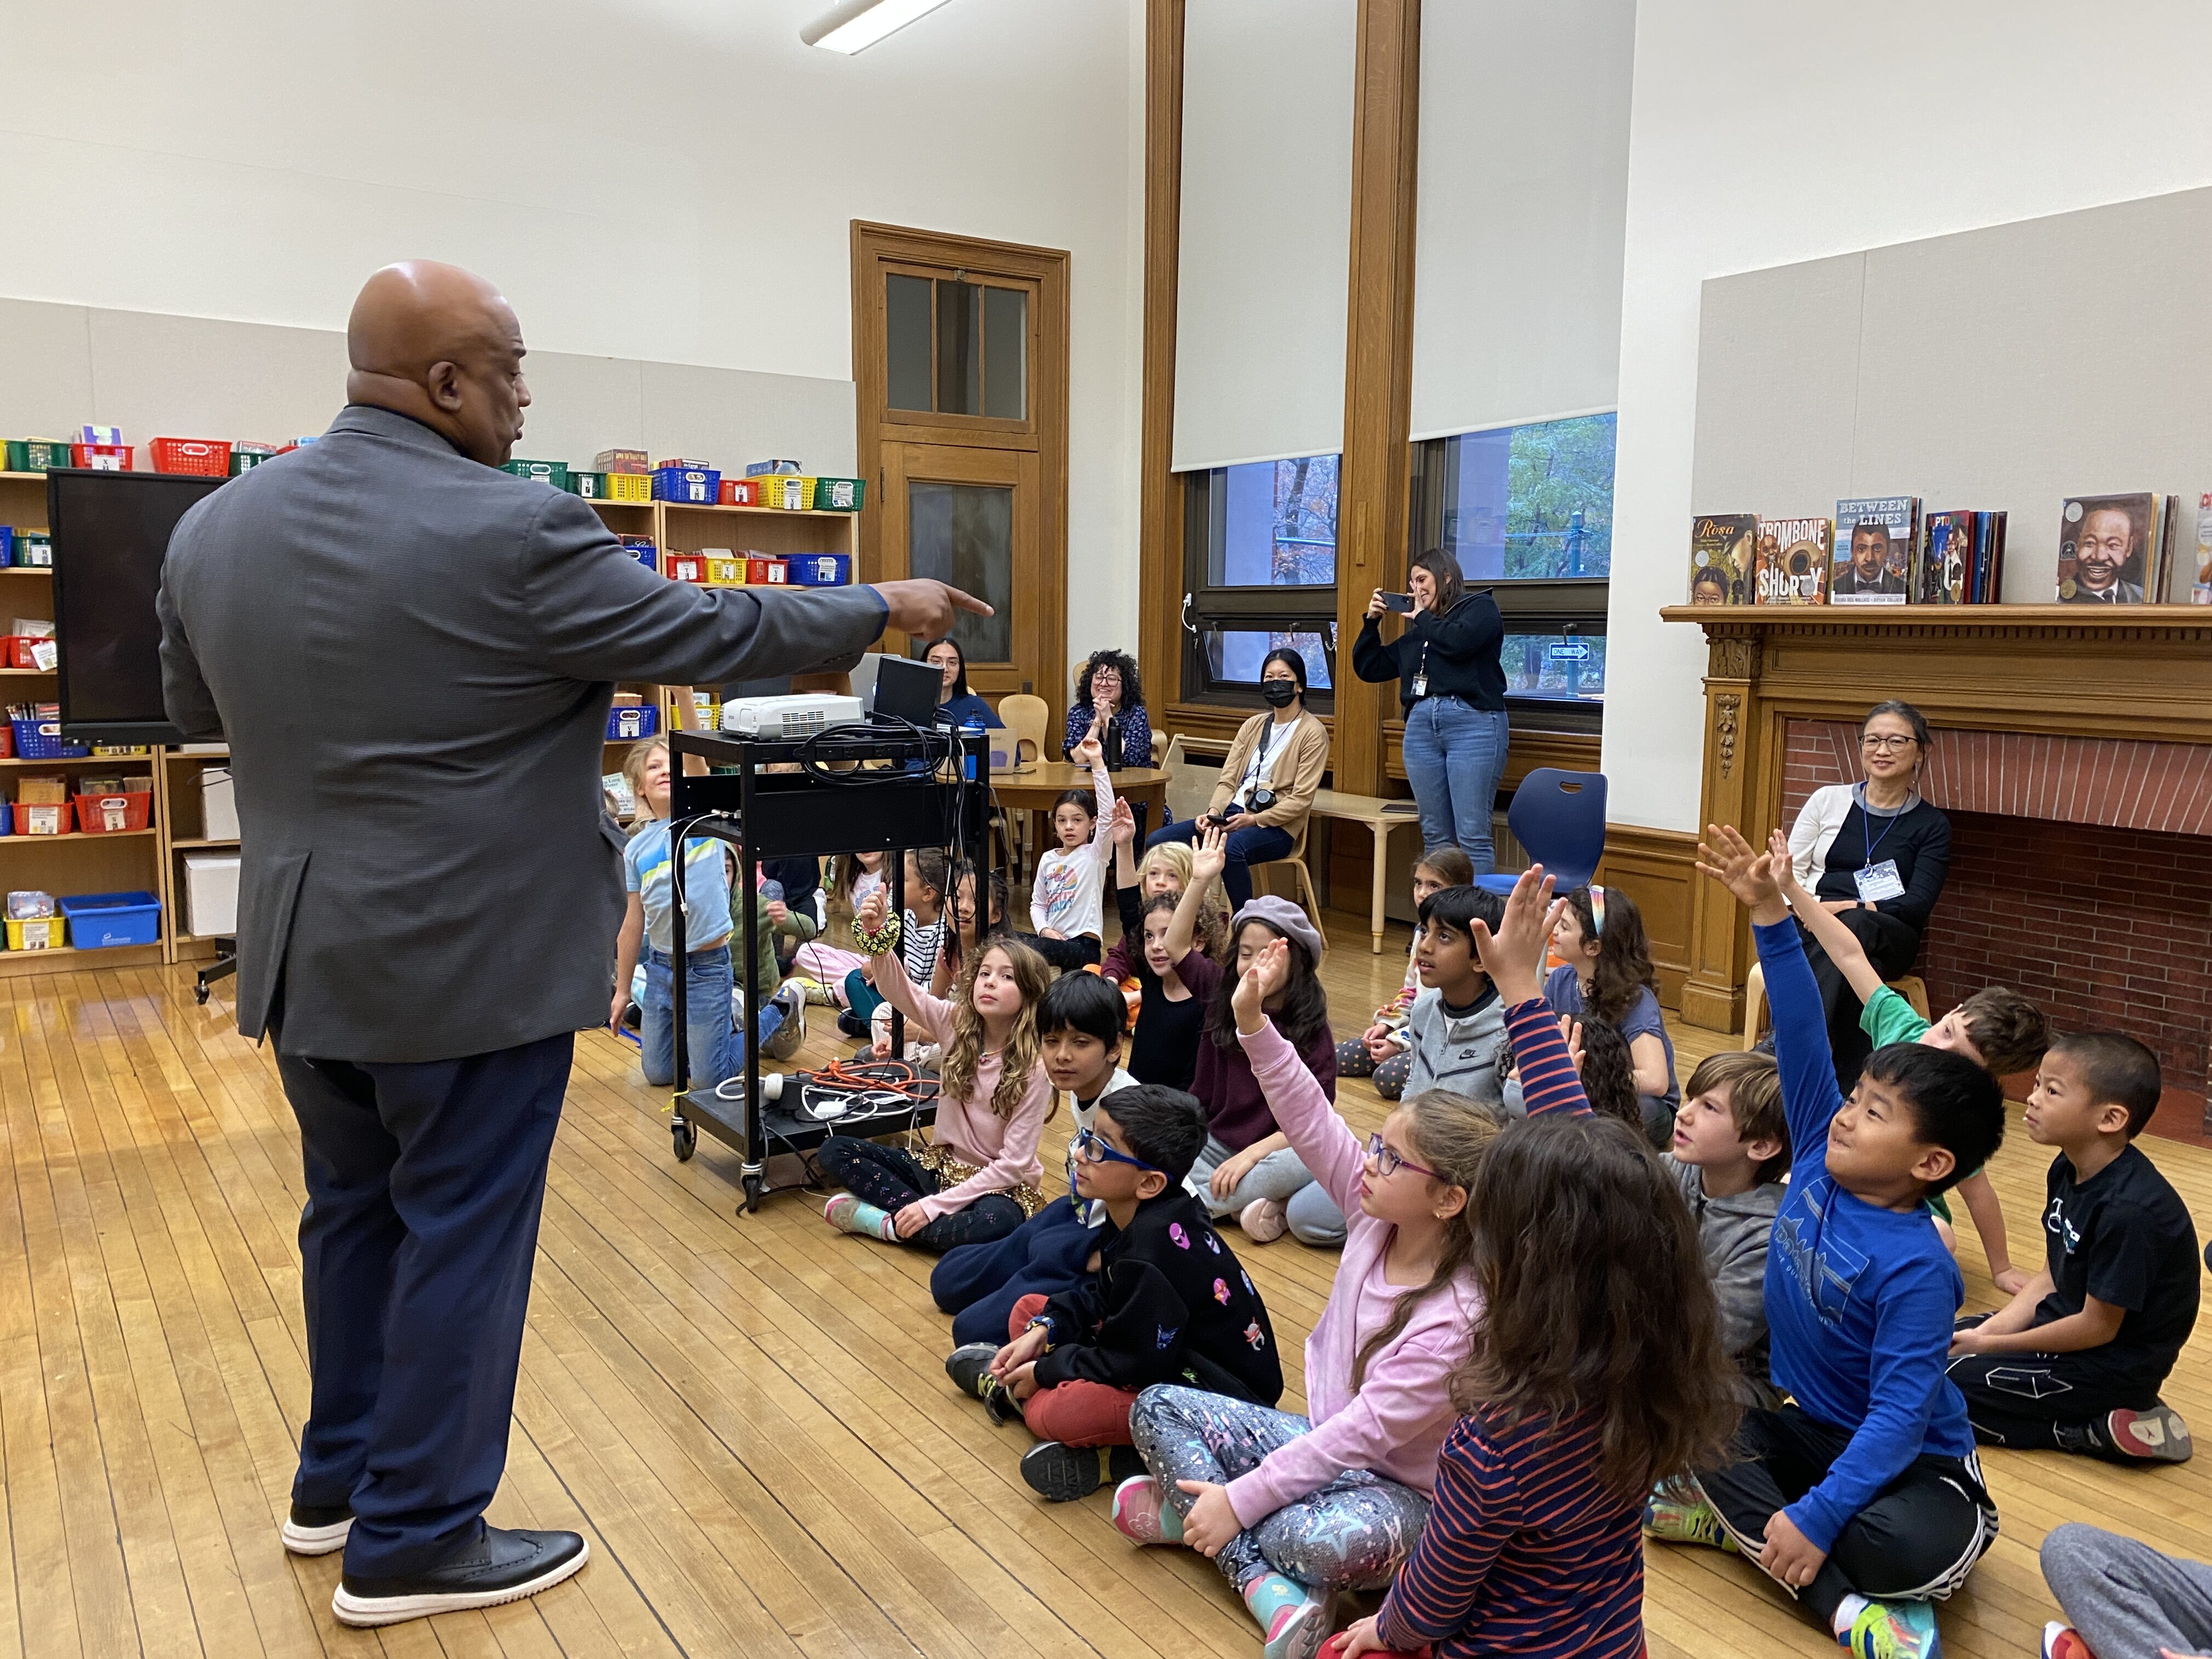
103, 815
688, 486
761, 572
102, 458
243, 457
632, 720
820, 569
592, 486
786, 492
42, 740
740, 492
102, 922
684, 567
38, 933
630, 486
199, 457
840, 495
555, 473
36, 454
34, 550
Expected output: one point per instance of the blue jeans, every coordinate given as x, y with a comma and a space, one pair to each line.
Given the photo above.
715, 1050
978, 1283
424, 1185
1246, 848
1455, 756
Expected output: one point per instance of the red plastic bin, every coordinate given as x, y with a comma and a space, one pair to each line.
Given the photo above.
99, 815
204, 458
740, 492
763, 572
21, 649
105, 458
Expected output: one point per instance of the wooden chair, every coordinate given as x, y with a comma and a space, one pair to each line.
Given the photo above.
1027, 718
1159, 746
1911, 987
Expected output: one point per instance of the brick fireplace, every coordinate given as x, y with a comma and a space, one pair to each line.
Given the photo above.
2073, 752
2080, 875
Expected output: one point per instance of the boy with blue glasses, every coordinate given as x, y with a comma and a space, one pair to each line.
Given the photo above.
1168, 1302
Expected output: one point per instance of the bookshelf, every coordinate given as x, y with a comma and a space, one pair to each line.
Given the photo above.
152, 860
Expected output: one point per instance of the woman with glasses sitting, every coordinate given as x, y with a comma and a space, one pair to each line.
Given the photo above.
1875, 853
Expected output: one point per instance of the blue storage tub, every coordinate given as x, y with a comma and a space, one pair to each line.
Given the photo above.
98, 921
688, 486
42, 740
629, 721
820, 569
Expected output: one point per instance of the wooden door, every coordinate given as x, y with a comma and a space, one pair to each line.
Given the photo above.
960, 360
971, 517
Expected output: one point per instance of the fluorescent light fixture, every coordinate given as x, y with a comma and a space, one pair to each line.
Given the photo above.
859, 24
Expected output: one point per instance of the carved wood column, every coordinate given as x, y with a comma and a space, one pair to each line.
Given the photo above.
1375, 476
1735, 790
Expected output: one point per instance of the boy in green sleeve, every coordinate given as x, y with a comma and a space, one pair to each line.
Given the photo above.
1999, 1029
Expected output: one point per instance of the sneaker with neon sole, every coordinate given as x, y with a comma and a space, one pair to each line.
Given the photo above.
1894, 1630
1685, 1518
1298, 1631
1142, 1513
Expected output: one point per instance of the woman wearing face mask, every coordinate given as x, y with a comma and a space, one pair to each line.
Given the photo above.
1268, 781
1452, 687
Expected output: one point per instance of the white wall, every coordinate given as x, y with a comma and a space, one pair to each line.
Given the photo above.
670, 180
1761, 135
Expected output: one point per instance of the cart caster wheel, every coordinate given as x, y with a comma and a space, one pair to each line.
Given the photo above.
687, 1141
755, 1188
199, 995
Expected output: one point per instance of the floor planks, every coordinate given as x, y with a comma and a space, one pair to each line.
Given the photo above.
748, 1417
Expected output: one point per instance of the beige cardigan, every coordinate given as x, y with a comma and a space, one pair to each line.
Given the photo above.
1294, 767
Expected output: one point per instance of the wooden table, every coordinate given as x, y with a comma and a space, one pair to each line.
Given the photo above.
1370, 810
1037, 785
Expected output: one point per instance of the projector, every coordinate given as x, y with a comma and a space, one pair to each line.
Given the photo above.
800, 714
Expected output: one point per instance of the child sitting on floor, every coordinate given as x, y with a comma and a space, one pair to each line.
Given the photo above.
2076, 1361
2123, 1598
977, 1179
1170, 1015
2000, 1030
1064, 905
822, 965
1079, 1040
1457, 1025
1164, 869
1608, 972
1729, 1151
1167, 1299
1532, 1546
1248, 1169
1864, 1498
1379, 1052
922, 938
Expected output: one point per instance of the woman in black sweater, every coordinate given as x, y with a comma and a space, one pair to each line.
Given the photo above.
1877, 855
1452, 688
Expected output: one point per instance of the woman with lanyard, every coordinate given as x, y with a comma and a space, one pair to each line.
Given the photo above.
1452, 688
1268, 783
1875, 853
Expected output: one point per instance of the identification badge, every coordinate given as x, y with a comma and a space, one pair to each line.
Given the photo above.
1420, 685
1880, 881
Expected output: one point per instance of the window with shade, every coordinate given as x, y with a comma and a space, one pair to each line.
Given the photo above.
1260, 573
1527, 511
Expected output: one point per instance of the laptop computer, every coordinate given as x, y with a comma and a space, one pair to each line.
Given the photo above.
904, 688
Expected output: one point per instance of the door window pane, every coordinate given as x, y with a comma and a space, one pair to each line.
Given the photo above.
1006, 353
963, 534
906, 316
959, 348
1236, 656
1568, 667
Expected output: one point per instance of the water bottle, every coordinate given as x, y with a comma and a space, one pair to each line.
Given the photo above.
970, 728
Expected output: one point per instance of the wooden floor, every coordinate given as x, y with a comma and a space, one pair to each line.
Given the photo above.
748, 1418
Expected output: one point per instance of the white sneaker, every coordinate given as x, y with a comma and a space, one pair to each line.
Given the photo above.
1265, 1219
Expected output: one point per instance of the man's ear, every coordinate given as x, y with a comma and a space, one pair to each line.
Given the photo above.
444, 385
1151, 1184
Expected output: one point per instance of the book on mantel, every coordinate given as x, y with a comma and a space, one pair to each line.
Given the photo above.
1791, 566
2112, 548
1877, 539
1720, 557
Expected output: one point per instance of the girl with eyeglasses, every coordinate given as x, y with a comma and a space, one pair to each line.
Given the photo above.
1293, 1509
1876, 854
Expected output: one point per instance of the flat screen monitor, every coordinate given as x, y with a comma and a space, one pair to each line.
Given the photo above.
111, 531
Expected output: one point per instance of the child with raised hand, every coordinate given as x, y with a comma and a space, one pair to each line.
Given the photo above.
921, 940
1576, 1397
1164, 869
1380, 1051
1064, 900
1999, 1029
1294, 1508
822, 965
2074, 1362
1729, 1153
1079, 1039
1864, 1498
1608, 972
977, 1180
1166, 1300
1248, 1169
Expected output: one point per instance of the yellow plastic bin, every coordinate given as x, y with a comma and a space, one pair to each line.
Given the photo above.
39, 933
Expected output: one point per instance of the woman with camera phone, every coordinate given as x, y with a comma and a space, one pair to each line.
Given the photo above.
1268, 783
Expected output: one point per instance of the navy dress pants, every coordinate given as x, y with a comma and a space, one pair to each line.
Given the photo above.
978, 1283
424, 1185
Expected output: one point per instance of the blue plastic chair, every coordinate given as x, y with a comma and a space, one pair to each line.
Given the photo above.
1559, 818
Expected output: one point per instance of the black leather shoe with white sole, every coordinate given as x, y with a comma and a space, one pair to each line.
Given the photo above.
502, 1566
309, 1530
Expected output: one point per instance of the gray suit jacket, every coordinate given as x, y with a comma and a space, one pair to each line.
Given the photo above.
412, 656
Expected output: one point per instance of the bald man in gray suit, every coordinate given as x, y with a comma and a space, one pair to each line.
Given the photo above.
412, 654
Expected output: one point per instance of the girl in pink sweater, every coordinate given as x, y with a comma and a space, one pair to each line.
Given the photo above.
977, 1179
1293, 1509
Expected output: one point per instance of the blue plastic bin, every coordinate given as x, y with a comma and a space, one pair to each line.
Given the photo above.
820, 569
689, 486
98, 921
42, 740
630, 720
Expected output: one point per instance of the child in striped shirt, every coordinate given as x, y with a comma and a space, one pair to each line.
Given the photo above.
1532, 1546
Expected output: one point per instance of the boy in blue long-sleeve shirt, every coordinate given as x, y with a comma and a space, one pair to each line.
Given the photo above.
1864, 1498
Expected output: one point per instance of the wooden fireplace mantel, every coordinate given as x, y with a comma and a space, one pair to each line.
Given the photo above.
2142, 672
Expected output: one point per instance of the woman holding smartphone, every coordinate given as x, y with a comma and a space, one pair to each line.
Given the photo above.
1452, 688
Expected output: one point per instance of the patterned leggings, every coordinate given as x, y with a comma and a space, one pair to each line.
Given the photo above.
1353, 1533
1352, 1059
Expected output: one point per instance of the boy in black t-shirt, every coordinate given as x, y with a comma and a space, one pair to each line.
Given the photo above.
2074, 1362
